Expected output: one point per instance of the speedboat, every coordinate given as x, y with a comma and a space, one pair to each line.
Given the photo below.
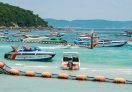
54, 40
2, 37
83, 34
56, 34
18, 34
128, 33
110, 43
86, 42
29, 53
32, 36
129, 41
25, 30
70, 61
83, 41
34, 39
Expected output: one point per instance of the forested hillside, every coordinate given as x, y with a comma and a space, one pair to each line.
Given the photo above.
16, 16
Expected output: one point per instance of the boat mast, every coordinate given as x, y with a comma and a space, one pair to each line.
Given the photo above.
91, 45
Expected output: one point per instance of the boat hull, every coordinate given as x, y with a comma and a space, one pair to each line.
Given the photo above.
112, 44
85, 43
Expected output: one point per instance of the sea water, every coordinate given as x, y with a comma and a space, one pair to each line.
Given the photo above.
111, 62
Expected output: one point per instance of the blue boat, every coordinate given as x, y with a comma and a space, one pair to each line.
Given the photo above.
28, 53
83, 41
86, 42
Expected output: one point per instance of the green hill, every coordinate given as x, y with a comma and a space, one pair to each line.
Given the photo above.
15, 16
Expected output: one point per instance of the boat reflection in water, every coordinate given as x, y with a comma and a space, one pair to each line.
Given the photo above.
29, 53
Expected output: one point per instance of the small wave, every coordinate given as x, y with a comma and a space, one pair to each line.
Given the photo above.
19, 64
49, 47
124, 69
57, 47
84, 68
42, 66
5, 46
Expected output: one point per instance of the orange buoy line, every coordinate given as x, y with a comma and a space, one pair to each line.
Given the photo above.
7, 70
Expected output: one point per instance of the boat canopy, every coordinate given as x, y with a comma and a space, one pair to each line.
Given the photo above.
84, 37
25, 48
71, 53
31, 48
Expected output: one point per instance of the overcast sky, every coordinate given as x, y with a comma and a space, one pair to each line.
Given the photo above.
78, 9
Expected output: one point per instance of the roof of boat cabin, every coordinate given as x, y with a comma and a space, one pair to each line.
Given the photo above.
70, 52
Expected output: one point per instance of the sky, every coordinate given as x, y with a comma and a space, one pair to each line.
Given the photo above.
120, 10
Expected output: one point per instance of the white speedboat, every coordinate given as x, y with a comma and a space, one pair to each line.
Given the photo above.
35, 39
56, 34
2, 37
129, 43
29, 53
70, 61
110, 43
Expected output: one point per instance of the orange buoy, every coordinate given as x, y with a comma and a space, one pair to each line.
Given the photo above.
46, 75
30, 73
81, 77
1, 64
99, 78
63, 76
119, 80
14, 71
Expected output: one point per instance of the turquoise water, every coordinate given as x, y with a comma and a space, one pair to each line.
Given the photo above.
108, 61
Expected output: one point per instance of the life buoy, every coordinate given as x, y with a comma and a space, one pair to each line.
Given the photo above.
1, 64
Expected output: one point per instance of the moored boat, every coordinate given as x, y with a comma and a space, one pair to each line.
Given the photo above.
29, 53
83, 34
86, 42
110, 43
34, 39
19, 34
56, 34
54, 40
2, 37
25, 30
129, 41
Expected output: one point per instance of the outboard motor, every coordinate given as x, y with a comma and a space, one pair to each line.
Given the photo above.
7, 56
70, 63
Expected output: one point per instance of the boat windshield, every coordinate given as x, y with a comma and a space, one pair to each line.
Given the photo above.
70, 56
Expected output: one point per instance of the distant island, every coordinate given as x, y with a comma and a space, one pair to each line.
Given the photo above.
13, 16
90, 23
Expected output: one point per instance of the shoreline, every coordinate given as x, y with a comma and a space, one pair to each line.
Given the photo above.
60, 28
39, 29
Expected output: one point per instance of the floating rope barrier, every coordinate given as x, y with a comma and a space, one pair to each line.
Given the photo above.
10, 71
33, 42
